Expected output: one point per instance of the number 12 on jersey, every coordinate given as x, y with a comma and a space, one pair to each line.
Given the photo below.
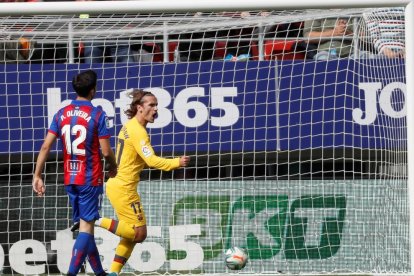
73, 147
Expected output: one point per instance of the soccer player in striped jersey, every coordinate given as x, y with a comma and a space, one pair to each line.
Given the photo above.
134, 152
82, 129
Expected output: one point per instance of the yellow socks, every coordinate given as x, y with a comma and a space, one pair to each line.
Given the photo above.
126, 245
119, 228
122, 254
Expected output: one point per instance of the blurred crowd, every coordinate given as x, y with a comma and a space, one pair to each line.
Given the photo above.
378, 34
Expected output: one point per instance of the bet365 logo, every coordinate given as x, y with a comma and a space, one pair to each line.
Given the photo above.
308, 227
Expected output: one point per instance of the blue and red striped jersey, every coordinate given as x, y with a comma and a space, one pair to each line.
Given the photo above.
80, 125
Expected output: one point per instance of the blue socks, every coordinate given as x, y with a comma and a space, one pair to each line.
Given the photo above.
85, 246
94, 258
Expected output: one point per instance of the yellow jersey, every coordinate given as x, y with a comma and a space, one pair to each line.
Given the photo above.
134, 152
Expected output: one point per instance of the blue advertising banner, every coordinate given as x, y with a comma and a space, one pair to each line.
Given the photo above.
221, 106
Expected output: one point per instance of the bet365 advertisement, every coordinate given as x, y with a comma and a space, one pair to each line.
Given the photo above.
221, 106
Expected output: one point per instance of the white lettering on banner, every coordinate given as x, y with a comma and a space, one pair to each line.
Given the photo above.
54, 104
315, 219
232, 113
188, 109
178, 233
182, 106
385, 102
191, 112
63, 245
155, 250
194, 253
18, 257
247, 224
107, 243
370, 104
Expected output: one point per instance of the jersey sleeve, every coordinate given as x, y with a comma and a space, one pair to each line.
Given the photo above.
373, 30
146, 152
54, 126
103, 125
385, 32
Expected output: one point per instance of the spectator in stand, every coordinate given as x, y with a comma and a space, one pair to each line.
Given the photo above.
18, 51
284, 30
242, 40
102, 51
197, 50
200, 46
385, 29
238, 48
194, 50
331, 36
145, 51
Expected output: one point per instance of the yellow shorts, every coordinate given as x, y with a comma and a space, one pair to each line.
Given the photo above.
127, 203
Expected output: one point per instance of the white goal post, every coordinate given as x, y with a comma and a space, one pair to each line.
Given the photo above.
186, 6
304, 156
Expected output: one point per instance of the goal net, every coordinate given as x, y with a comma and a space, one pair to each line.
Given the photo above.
295, 121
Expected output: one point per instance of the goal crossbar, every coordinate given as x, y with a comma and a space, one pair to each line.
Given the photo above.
93, 7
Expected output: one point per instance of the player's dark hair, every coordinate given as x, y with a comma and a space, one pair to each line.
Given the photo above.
137, 96
84, 82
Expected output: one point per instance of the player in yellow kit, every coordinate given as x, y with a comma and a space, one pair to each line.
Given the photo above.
134, 152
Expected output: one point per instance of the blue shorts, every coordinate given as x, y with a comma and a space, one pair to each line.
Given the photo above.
86, 201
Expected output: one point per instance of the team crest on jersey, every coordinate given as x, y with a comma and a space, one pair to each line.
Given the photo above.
146, 151
74, 166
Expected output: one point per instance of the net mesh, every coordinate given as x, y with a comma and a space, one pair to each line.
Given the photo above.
295, 122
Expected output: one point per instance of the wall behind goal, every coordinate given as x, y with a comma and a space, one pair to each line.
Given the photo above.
253, 106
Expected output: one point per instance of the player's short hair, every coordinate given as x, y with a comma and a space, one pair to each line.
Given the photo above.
137, 96
84, 82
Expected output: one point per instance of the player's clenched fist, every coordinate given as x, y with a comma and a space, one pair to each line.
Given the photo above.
184, 160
